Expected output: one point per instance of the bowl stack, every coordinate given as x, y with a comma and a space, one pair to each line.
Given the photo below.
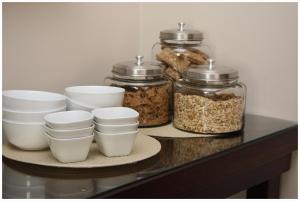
90, 97
23, 116
115, 130
69, 135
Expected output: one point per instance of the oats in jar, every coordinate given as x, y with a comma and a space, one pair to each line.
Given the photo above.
217, 114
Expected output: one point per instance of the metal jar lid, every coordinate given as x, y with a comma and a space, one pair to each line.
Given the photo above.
210, 74
181, 35
138, 70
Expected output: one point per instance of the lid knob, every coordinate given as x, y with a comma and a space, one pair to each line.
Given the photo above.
211, 64
139, 60
181, 26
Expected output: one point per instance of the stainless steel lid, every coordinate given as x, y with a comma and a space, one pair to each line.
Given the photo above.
210, 73
138, 69
181, 35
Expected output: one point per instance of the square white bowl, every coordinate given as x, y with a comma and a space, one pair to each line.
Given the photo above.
115, 129
69, 120
115, 115
116, 144
70, 150
68, 134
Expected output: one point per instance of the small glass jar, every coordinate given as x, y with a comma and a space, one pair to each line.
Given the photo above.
210, 100
147, 90
180, 48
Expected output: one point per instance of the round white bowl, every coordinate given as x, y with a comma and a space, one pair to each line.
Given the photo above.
32, 101
75, 105
70, 150
117, 144
69, 120
114, 129
20, 116
26, 136
115, 115
68, 134
96, 96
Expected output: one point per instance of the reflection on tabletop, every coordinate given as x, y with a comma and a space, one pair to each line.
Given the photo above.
21, 180
30, 181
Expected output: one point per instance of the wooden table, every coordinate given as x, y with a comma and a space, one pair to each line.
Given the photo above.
185, 168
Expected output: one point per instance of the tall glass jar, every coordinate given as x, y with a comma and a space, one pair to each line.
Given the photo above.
209, 99
180, 48
147, 90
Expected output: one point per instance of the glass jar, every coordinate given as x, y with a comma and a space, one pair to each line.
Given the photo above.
147, 90
210, 100
180, 48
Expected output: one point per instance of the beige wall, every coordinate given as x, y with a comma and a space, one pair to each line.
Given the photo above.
51, 46
258, 39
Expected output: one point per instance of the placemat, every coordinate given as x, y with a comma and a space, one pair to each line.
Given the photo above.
144, 147
171, 132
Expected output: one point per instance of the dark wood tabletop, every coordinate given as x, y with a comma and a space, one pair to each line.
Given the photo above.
206, 167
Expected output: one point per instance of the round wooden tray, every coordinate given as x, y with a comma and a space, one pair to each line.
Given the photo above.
144, 147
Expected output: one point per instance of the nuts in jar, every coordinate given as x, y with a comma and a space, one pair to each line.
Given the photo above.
179, 48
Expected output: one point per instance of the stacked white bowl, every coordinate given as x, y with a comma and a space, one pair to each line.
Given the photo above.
23, 116
115, 130
90, 97
69, 135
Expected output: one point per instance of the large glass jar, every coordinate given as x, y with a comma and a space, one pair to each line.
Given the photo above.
180, 48
209, 99
147, 90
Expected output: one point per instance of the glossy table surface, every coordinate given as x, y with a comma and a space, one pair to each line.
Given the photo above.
22, 180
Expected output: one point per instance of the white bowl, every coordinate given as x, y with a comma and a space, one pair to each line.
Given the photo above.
69, 120
96, 96
116, 144
115, 115
75, 105
70, 150
26, 136
20, 116
114, 129
32, 101
68, 134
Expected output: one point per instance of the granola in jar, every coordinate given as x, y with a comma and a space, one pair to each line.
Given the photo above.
152, 103
147, 90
